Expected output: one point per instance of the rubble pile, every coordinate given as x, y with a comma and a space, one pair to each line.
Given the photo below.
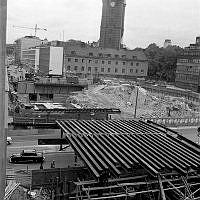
124, 97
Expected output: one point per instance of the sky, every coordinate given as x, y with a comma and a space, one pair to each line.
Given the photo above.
146, 21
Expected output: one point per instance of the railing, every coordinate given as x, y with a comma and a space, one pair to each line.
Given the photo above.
176, 122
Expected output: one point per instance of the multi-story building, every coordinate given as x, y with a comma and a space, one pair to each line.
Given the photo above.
112, 24
31, 58
93, 61
84, 60
25, 43
167, 43
188, 68
45, 59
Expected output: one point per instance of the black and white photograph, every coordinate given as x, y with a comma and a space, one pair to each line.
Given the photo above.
99, 100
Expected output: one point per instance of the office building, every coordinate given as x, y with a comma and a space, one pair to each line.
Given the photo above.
45, 59
188, 68
112, 24
104, 62
25, 43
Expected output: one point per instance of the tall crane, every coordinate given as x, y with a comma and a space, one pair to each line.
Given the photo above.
36, 28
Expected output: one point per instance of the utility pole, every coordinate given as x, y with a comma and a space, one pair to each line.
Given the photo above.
136, 100
3, 20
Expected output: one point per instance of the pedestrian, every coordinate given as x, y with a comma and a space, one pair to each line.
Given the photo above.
41, 165
53, 164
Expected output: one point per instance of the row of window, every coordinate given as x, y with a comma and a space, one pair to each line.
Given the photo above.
109, 62
69, 68
106, 55
189, 60
187, 77
191, 53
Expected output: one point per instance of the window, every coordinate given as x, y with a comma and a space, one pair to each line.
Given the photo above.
123, 71
96, 61
102, 69
68, 68
89, 69
116, 56
109, 62
76, 60
103, 61
108, 55
69, 59
90, 54
108, 69
124, 63
75, 68
136, 71
82, 68
142, 71
116, 62
131, 63
137, 64
134, 57
131, 70
82, 60
100, 54
123, 56
73, 52
96, 69
90, 61
116, 70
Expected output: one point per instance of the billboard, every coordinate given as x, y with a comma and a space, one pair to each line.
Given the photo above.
56, 61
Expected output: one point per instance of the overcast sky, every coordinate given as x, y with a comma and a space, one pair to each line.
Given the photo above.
146, 21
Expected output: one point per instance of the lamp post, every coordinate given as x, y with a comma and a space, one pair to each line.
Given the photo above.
3, 19
136, 99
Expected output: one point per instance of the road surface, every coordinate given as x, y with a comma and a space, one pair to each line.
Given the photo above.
51, 152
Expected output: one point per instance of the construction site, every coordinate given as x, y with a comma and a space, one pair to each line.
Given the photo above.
116, 151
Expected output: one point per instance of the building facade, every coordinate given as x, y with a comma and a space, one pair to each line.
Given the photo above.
93, 61
188, 68
112, 24
30, 57
167, 43
47, 60
25, 43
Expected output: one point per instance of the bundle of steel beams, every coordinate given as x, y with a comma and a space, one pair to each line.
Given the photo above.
122, 144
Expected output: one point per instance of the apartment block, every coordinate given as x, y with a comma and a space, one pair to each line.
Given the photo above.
96, 61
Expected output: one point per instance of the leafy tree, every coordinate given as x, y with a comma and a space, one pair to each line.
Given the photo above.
162, 62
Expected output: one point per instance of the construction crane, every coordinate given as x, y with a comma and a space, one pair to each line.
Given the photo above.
36, 28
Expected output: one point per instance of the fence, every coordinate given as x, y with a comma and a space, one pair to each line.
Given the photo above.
176, 122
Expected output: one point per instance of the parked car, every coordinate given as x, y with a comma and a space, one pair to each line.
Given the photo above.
9, 140
27, 156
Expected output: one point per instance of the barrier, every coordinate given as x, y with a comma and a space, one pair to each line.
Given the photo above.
175, 122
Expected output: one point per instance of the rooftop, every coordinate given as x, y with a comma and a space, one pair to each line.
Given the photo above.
119, 145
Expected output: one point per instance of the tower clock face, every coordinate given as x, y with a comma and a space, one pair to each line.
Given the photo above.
112, 4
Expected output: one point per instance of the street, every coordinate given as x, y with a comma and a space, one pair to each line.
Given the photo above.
51, 152
22, 141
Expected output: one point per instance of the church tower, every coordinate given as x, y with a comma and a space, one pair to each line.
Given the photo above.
112, 23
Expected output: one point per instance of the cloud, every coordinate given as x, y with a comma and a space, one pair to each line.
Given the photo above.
146, 21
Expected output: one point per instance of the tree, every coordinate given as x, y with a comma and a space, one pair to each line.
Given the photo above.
162, 62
